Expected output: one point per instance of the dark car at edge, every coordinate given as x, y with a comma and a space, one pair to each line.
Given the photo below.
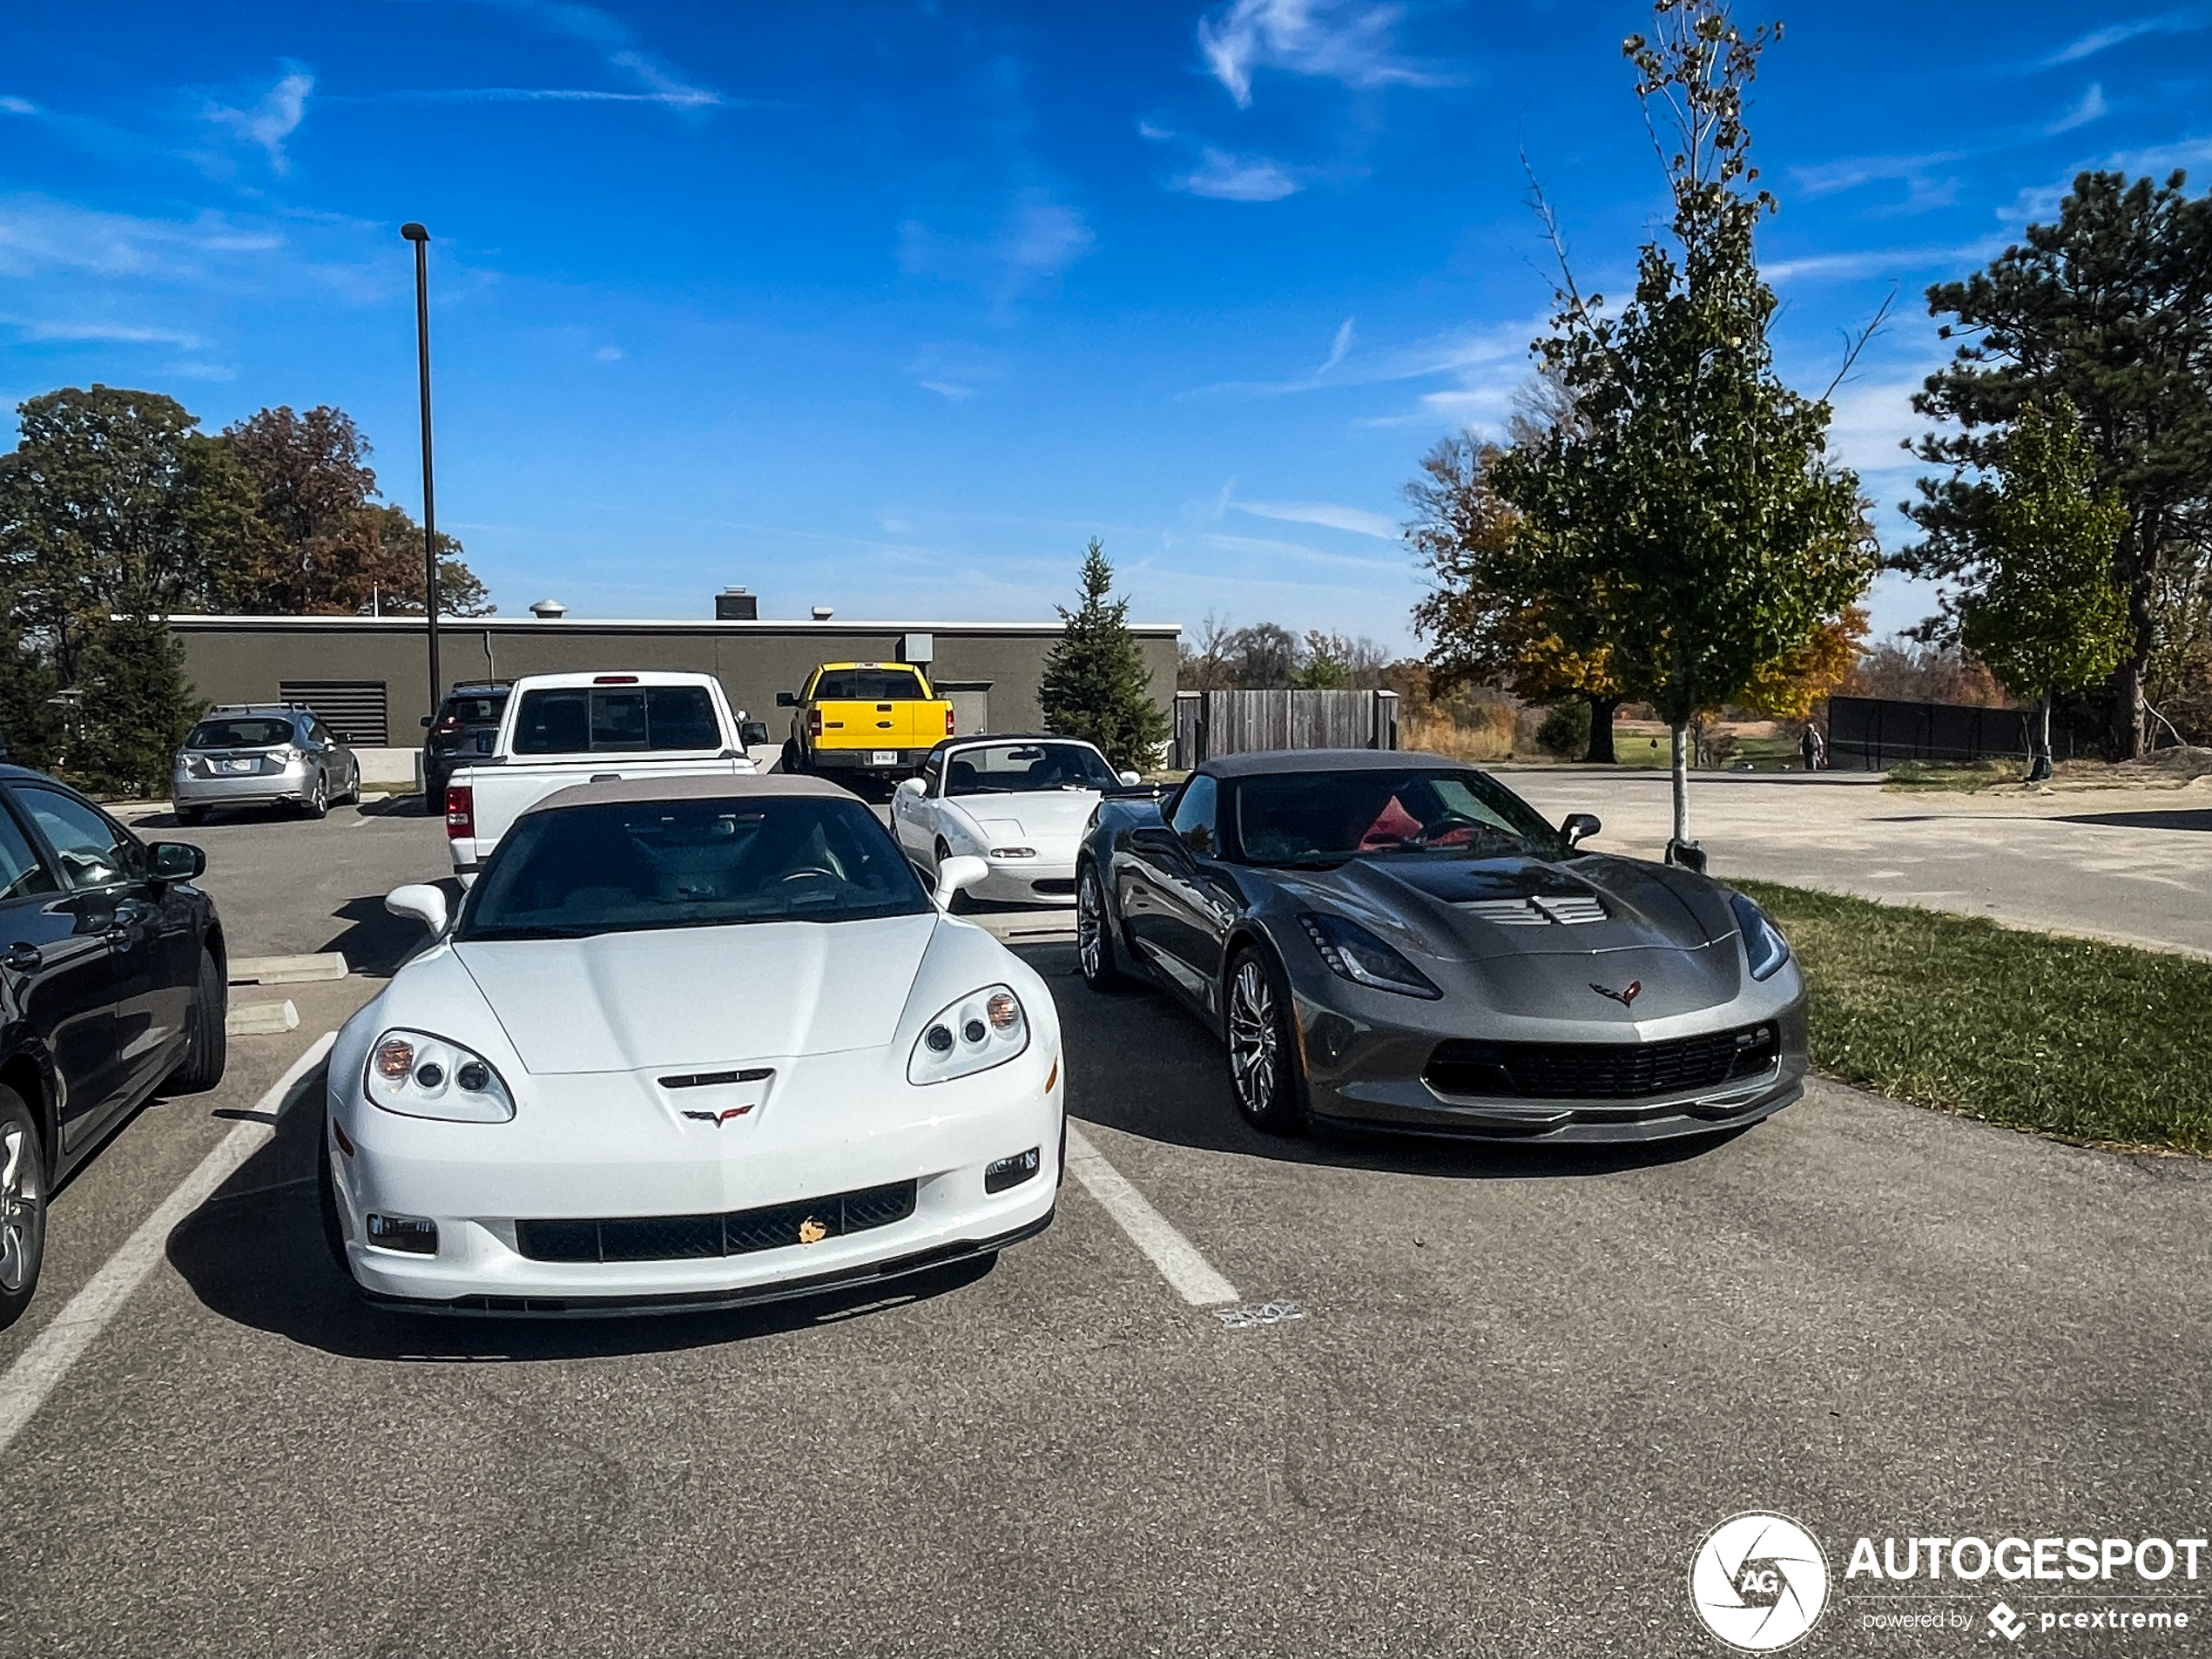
1398, 941
113, 986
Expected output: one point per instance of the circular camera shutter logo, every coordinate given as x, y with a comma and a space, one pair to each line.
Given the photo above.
1759, 1582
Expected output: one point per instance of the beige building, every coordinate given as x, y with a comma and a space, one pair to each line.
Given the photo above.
368, 675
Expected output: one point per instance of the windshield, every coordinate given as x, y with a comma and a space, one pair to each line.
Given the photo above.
476, 711
867, 685
1014, 768
249, 733
1326, 818
632, 867
587, 720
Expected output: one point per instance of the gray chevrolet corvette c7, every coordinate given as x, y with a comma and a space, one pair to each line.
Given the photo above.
1398, 940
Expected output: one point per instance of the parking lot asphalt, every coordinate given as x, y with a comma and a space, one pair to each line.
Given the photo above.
2130, 864
1481, 1401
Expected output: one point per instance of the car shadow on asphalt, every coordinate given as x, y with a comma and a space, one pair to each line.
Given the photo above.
253, 1252
376, 941
1139, 1063
2190, 818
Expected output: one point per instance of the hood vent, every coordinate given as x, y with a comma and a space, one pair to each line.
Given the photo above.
1570, 912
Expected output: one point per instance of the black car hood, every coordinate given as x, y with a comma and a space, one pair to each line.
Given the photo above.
1462, 909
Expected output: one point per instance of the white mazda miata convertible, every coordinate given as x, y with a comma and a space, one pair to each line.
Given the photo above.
689, 1044
1020, 804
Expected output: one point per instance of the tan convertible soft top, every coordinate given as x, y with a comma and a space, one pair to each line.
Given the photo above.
694, 787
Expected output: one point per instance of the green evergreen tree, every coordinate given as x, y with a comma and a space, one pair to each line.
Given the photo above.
29, 720
137, 707
1095, 685
2050, 618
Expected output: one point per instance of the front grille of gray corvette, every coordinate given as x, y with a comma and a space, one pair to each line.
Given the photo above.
1600, 1070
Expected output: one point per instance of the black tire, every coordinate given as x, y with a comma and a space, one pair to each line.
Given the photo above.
792, 761
207, 1036
333, 1233
22, 1205
1098, 948
190, 816
317, 803
1265, 1072
353, 785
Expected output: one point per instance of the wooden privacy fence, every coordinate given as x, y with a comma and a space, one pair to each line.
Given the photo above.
1227, 723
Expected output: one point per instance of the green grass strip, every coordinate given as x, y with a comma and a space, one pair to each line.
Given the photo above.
2101, 1044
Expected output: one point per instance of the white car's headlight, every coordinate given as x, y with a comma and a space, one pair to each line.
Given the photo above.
419, 1075
984, 1028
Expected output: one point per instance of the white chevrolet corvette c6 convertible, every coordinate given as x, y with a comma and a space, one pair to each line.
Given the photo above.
689, 1044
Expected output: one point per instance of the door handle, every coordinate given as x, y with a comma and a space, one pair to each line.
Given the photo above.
20, 958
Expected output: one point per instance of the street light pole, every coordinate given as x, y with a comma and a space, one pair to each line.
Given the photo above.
420, 238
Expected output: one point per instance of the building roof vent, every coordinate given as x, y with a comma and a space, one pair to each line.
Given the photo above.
737, 604
549, 611
823, 613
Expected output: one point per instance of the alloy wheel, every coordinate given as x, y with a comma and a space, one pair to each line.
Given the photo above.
1090, 926
19, 1202
1252, 1038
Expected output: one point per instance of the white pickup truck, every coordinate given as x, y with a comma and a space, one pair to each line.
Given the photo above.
564, 729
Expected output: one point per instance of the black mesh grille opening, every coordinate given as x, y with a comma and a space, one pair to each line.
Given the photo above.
1600, 1071
664, 1239
1054, 886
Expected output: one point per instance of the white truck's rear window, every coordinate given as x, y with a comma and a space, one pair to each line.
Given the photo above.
593, 720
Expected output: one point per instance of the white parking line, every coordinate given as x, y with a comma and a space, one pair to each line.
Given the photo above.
49, 1357
1178, 1258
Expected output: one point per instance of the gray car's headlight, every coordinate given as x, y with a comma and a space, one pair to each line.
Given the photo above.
419, 1075
984, 1028
1358, 955
1764, 946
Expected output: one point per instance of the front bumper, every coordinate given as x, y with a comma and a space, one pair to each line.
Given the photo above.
1048, 878
616, 1146
1369, 1073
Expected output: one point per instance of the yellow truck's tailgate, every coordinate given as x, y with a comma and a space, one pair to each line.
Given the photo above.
907, 723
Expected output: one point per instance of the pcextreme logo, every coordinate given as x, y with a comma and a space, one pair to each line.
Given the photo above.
1759, 1582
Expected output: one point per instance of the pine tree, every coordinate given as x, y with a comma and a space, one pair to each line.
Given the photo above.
1095, 685
137, 707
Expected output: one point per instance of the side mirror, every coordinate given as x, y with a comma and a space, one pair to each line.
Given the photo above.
425, 904
175, 860
956, 875
426, 720
1130, 779
1579, 827
752, 732
786, 701
912, 787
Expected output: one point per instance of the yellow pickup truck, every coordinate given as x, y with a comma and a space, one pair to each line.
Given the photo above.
877, 718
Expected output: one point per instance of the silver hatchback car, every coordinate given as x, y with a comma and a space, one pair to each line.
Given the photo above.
262, 754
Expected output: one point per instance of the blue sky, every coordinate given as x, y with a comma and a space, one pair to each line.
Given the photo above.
892, 307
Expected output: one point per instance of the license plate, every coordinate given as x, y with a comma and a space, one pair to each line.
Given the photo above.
885, 758
240, 765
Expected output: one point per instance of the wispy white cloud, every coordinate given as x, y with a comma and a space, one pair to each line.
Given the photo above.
1351, 43
619, 48
1357, 520
1238, 178
118, 332
2092, 107
2118, 33
39, 234
951, 391
14, 106
1877, 262
690, 99
1037, 237
274, 118
1337, 347
608, 354
1828, 178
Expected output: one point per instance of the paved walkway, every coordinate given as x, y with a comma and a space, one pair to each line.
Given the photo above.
2131, 865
